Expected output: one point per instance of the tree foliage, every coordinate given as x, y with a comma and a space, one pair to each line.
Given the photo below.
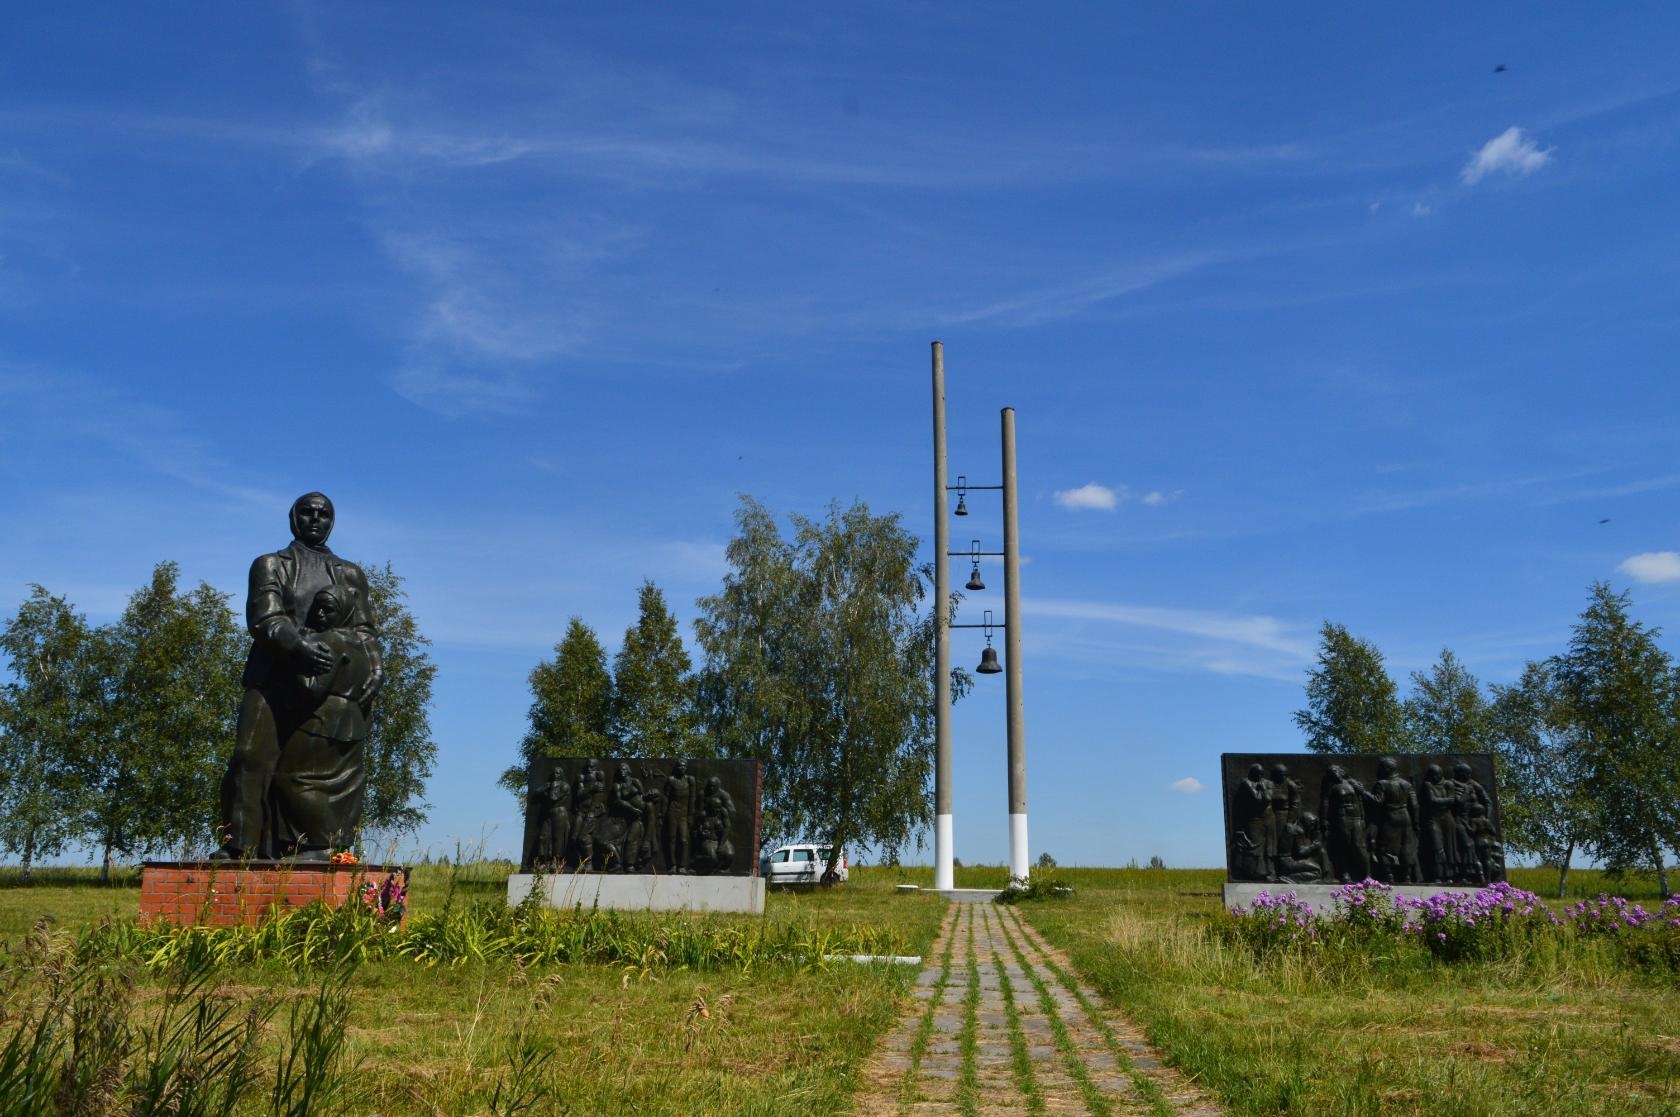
1352, 703
399, 750
571, 707
171, 669
1618, 693
819, 662
46, 712
1544, 801
118, 736
653, 685
1445, 711
1587, 742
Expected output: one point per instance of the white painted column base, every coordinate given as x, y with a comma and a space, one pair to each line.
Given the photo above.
944, 874
1018, 866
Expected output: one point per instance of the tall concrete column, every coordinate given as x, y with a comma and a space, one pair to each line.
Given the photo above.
943, 873
1018, 866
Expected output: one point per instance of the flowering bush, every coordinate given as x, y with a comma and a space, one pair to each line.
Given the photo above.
1608, 915
1648, 940
1495, 921
1655, 947
1368, 906
1276, 921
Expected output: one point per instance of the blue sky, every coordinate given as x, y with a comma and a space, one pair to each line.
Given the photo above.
1307, 313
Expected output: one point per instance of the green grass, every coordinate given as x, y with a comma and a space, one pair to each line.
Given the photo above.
968, 1085
1565, 1029
924, 1030
1021, 1060
585, 1039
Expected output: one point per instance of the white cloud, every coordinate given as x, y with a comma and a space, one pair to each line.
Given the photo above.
1422, 209
1088, 496
1157, 497
1652, 566
1510, 152
1189, 785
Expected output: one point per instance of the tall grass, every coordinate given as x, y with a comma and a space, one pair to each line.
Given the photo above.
1374, 1023
491, 931
82, 1038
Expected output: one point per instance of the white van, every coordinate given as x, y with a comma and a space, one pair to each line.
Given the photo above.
799, 864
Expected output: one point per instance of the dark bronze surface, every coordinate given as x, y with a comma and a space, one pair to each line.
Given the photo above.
642, 816
294, 784
1406, 819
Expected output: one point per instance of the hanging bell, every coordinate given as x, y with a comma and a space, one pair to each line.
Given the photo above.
962, 505
988, 662
974, 582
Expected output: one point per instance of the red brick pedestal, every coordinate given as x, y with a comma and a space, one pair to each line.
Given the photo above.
230, 893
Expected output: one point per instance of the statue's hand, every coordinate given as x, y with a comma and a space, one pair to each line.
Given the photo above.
316, 655
372, 686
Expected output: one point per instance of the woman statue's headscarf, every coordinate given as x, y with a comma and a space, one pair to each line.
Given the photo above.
292, 516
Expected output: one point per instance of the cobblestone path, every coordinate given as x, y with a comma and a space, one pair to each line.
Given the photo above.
1002, 1025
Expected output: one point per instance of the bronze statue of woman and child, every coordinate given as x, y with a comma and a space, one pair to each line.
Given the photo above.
295, 784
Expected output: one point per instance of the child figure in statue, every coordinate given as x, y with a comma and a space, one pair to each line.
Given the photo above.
319, 776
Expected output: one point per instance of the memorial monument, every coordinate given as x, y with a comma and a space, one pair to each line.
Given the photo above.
294, 784
292, 795
643, 833
1423, 823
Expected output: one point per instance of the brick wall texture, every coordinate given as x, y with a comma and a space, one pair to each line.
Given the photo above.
225, 894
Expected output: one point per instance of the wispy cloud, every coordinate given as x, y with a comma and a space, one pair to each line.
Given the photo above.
1189, 785
1510, 153
1537, 489
1251, 630
1091, 496
1155, 498
148, 436
491, 311
1049, 304
1652, 566
1198, 639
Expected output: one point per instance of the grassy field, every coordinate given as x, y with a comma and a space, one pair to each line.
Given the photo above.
585, 1039
1562, 1031
1383, 1031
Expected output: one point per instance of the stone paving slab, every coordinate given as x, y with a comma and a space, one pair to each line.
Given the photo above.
1000, 1024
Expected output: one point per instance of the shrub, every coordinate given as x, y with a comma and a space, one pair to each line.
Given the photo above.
1034, 888
1646, 940
1368, 907
1609, 915
1497, 921
1273, 922
1657, 947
